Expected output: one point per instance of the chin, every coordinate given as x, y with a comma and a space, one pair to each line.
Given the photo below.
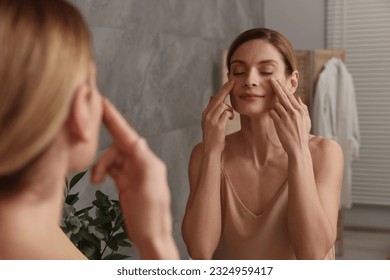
251, 110
257, 113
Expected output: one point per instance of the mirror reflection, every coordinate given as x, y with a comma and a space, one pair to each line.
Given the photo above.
271, 189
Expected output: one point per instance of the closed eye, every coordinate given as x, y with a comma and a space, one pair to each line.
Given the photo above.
238, 73
267, 73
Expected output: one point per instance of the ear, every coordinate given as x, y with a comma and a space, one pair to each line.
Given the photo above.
294, 81
78, 120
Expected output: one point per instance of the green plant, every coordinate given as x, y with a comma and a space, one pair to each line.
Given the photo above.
98, 235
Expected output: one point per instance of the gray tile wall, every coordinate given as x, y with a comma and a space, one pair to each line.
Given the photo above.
159, 62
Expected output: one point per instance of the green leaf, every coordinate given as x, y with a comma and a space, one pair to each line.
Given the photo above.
74, 221
65, 229
102, 203
112, 214
104, 232
75, 238
99, 213
83, 210
75, 230
124, 243
87, 249
116, 256
101, 221
107, 227
116, 202
99, 234
119, 222
74, 224
69, 210
101, 196
118, 211
76, 178
125, 229
72, 199
90, 237
113, 244
87, 217
121, 235
85, 224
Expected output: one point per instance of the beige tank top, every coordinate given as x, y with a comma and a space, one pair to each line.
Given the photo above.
247, 236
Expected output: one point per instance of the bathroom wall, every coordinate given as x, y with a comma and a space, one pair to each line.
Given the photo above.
159, 62
302, 21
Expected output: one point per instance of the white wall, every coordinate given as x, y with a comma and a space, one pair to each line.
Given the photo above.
301, 21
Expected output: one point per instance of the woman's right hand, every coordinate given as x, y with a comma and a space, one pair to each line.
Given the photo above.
214, 119
141, 180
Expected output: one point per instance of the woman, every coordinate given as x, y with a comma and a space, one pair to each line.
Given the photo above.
50, 113
270, 190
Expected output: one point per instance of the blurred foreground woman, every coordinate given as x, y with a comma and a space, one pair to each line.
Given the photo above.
50, 114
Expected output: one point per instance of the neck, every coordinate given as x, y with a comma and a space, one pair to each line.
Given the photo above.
37, 204
30, 215
259, 140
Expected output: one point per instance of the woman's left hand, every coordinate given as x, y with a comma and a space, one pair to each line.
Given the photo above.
291, 119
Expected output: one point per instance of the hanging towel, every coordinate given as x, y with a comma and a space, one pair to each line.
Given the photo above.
334, 115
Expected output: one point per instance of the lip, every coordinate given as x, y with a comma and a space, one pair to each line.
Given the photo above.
251, 96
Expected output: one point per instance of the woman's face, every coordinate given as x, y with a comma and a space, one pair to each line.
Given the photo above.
251, 67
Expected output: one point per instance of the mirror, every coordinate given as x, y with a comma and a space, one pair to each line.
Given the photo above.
161, 69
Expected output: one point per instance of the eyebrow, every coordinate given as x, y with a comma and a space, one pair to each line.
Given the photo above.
267, 61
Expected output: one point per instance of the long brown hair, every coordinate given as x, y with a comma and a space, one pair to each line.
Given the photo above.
45, 50
278, 40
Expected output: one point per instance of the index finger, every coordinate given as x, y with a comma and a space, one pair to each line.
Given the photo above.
224, 92
290, 95
280, 93
118, 127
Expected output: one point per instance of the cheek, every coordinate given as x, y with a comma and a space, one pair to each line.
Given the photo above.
237, 86
236, 79
267, 86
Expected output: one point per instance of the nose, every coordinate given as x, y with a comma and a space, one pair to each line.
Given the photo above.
250, 84
251, 80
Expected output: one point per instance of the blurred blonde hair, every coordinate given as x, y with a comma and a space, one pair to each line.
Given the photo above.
45, 51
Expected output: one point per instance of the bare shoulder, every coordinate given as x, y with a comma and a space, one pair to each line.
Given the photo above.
196, 154
326, 154
321, 147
